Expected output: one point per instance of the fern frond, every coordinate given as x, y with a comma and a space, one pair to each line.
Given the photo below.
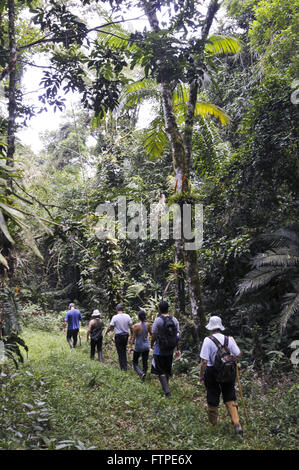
134, 290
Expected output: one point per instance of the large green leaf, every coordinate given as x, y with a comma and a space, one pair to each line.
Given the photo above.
4, 229
11, 211
30, 242
223, 45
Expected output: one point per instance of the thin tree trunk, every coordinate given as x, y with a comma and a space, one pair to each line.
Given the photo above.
180, 303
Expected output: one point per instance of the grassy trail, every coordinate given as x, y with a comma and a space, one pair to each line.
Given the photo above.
59, 395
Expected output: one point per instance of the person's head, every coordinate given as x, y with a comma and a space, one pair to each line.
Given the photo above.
120, 307
215, 323
142, 315
163, 306
71, 306
96, 314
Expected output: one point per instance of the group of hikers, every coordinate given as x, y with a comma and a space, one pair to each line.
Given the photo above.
165, 338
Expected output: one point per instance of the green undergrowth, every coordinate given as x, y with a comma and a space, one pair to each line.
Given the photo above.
60, 399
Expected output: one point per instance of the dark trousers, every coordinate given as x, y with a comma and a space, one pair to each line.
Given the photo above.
96, 345
72, 336
215, 389
144, 357
121, 342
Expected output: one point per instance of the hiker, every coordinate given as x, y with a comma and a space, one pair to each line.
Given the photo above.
214, 388
121, 323
165, 337
72, 321
95, 332
141, 345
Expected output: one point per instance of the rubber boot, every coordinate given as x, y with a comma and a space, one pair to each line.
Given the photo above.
139, 372
232, 409
144, 375
212, 415
165, 386
100, 356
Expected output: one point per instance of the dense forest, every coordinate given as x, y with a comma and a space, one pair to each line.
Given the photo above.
185, 105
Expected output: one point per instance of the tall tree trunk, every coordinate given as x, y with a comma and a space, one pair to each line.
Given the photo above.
181, 157
12, 84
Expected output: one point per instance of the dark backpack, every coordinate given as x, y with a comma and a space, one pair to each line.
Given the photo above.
167, 337
97, 330
225, 362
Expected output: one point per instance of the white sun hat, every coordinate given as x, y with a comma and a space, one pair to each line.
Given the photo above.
215, 323
96, 313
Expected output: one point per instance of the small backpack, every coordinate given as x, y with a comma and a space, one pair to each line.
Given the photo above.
225, 362
167, 335
97, 330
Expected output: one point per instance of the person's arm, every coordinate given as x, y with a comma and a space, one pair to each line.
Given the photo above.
110, 327
133, 337
234, 348
153, 340
178, 351
203, 365
89, 330
65, 323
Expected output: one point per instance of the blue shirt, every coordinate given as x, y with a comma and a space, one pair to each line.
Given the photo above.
73, 318
158, 324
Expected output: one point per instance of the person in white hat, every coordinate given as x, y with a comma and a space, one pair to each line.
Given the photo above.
215, 389
95, 331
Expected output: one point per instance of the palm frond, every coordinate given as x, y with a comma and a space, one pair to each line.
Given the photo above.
155, 139
223, 45
115, 37
282, 257
290, 309
202, 108
257, 278
138, 91
205, 109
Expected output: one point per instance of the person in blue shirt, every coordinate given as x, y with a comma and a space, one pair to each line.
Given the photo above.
72, 321
162, 359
